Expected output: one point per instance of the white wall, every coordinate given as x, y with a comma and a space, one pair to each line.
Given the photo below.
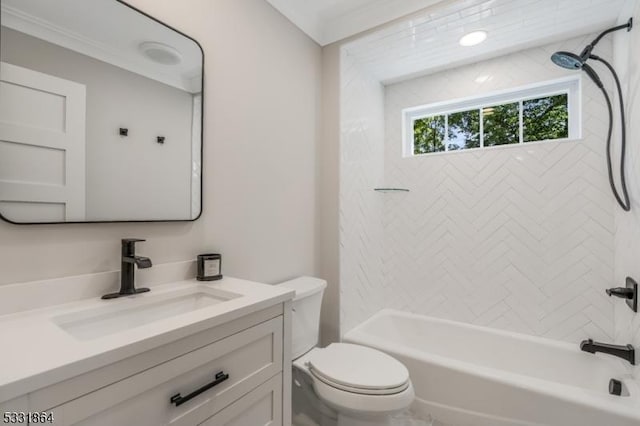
328, 165
517, 238
262, 94
132, 178
361, 170
627, 235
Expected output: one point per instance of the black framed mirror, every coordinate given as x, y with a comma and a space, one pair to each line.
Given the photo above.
101, 115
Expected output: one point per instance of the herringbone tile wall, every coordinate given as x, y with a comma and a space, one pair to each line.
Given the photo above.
361, 169
627, 235
518, 238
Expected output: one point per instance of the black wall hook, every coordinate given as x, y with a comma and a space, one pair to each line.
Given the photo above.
160, 139
124, 131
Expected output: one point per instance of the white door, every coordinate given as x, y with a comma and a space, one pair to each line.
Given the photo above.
42, 146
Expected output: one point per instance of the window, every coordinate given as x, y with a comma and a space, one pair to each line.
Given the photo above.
546, 111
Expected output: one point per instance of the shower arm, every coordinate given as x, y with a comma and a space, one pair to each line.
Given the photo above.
586, 52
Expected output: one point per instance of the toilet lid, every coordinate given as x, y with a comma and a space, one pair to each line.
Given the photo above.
359, 369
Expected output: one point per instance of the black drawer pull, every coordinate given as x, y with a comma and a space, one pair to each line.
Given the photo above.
179, 400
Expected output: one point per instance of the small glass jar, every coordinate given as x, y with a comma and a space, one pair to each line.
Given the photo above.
209, 267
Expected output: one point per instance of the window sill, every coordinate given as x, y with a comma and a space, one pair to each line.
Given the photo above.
488, 149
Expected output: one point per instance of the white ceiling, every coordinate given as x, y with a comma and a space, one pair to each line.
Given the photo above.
428, 41
108, 31
327, 21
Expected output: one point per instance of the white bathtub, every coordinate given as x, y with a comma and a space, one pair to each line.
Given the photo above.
476, 376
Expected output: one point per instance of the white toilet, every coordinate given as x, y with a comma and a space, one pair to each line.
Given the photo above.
363, 385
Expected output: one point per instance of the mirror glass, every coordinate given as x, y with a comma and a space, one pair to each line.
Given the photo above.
100, 114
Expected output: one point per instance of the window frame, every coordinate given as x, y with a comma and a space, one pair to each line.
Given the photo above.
571, 86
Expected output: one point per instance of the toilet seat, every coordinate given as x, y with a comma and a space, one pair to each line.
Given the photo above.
358, 391
349, 402
357, 379
358, 369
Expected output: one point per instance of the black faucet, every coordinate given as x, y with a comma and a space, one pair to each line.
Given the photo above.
127, 272
626, 352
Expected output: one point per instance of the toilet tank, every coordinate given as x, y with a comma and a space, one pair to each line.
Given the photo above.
306, 313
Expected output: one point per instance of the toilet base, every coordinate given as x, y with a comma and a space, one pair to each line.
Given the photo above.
308, 409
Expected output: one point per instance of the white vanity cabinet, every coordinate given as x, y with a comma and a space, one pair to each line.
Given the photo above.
244, 357
261, 407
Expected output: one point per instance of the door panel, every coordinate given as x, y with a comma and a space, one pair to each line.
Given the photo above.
42, 146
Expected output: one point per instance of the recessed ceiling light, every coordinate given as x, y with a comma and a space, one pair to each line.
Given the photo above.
160, 53
473, 38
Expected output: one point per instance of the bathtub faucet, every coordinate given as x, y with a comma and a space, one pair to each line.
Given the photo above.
626, 352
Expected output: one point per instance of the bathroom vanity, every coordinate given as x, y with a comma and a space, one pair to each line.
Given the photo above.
117, 128
185, 353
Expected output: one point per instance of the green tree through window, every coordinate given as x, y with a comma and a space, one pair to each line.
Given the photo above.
501, 124
464, 130
428, 134
543, 118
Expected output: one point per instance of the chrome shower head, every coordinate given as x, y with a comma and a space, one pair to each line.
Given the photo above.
567, 60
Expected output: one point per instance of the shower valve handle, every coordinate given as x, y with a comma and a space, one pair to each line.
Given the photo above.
629, 293
622, 292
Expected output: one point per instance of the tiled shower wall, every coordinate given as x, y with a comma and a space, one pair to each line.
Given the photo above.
518, 238
627, 235
361, 169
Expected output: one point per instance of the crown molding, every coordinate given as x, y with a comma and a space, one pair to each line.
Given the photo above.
42, 29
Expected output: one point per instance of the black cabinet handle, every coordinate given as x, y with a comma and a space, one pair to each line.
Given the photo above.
179, 400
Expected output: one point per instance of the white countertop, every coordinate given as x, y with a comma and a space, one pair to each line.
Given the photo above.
35, 352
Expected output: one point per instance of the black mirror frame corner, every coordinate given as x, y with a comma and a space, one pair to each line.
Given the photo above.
202, 82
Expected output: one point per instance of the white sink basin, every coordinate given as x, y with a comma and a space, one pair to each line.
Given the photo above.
135, 311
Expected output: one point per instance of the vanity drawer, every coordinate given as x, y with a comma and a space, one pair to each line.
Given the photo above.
260, 407
250, 358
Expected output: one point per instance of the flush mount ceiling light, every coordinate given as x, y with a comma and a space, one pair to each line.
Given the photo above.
473, 38
160, 53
